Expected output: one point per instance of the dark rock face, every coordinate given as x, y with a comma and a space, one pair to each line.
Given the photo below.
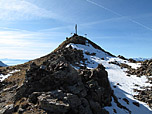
57, 88
122, 57
132, 60
136, 103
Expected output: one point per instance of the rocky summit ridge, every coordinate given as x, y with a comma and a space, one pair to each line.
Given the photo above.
71, 79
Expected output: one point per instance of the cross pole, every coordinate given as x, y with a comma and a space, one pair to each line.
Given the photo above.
76, 29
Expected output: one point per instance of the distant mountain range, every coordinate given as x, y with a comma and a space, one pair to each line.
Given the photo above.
2, 64
11, 62
141, 59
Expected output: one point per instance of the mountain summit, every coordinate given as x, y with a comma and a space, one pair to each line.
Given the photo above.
78, 77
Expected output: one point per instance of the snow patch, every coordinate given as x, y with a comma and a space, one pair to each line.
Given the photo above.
3, 77
133, 65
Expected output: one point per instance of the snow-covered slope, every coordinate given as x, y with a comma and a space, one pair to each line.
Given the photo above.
2, 64
122, 84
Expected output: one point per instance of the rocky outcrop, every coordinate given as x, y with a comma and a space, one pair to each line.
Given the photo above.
144, 95
122, 57
145, 69
57, 88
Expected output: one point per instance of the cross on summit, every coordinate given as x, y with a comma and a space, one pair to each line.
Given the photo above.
76, 29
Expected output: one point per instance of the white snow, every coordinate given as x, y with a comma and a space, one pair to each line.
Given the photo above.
125, 85
133, 65
3, 77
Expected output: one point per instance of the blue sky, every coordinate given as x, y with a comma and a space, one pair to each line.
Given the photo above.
33, 28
